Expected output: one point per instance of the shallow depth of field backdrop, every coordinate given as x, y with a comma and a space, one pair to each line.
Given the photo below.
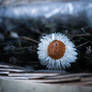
19, 36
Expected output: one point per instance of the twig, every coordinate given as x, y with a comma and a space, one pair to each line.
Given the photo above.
80, 35
82, 44
29, 39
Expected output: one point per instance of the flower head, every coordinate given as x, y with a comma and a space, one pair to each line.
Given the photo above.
56, 51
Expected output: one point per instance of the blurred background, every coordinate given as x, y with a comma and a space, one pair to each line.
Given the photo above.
20, 31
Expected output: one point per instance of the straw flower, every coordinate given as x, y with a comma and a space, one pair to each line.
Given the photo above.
56, 51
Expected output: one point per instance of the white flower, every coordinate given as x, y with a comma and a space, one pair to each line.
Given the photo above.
56, 51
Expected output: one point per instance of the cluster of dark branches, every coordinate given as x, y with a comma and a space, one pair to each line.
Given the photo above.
19, 38
19, 41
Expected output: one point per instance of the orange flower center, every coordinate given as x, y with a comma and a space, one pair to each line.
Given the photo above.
56, 49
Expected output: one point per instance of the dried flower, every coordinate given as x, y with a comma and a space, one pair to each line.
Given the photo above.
56, 51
